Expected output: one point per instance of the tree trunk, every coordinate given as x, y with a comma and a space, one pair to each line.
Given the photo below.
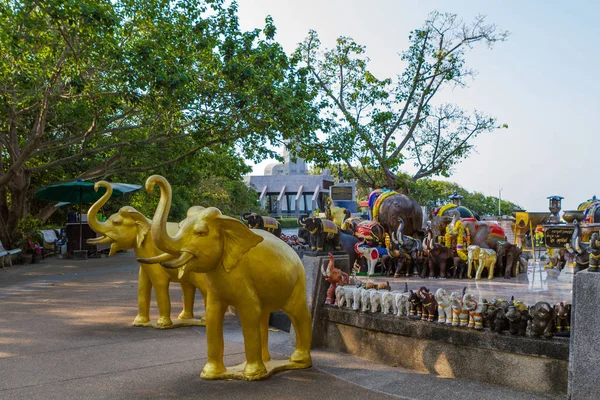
46, 212
19, 204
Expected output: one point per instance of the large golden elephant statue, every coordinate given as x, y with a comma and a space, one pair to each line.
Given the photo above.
129, 229
249, 269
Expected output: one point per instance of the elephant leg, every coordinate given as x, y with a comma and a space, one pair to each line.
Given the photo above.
398, 271
479, 268
297, 310
491, 269
443, 266
215, 312
313, 242
189, 294
163, 300
144, 295
320, 242
264, 336
251, 321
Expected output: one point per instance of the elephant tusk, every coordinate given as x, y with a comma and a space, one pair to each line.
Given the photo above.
157, 259
183, 259
99, 240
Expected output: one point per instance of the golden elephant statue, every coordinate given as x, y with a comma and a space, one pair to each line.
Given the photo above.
249, 269
486, 259
129, 229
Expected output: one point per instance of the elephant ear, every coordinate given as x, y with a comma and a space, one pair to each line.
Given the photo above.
238, 240
142, 223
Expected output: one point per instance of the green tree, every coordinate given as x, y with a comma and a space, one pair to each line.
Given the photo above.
375, 126
108, 88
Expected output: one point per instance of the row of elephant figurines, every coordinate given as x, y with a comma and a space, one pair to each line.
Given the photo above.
461, 310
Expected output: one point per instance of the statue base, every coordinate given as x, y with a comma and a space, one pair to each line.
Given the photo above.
177, 323
272, 366
567, 273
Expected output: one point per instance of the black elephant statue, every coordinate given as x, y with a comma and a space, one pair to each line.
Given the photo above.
409, 249
387, 206
542, 323
481, 233
256, 221
594, 251
507, 262
562, 322
517, 320
347, 243
321, 231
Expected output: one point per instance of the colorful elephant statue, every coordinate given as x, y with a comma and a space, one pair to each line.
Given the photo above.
129, 229
249, 269
460, 315
485, 234
594, 251
371, 232
475, 309
373, 255
321, 231
257, 221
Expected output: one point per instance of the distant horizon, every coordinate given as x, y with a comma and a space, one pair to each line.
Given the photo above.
539, 82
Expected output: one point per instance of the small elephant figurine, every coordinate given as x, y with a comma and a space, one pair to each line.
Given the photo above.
444, 308
475, 309
416, 308
428, 304
373, 255
542, 322
563, 317
335, 277
507, 262
409, 248
594, 251
517, 320
497, 319
460, 316
256, 221
321, 231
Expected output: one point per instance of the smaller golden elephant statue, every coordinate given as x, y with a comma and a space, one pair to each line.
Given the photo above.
129, 229
486, 258
249, 269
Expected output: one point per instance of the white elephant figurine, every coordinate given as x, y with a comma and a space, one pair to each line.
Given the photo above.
444, 308
340, 296
387, 302
475, 309
365, 299
357, 298
472, 256
401, 304
371, 255
375, 300
487, 259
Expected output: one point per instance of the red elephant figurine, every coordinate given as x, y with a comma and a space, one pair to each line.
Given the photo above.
335, 277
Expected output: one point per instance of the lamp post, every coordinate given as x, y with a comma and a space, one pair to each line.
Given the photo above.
499, 202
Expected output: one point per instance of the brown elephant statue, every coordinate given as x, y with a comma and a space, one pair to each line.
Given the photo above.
507, 262
387, 207
438, 260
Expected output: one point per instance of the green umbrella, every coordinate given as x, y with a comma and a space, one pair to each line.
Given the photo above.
81, 192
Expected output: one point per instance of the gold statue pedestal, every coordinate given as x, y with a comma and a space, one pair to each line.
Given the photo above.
177, 323
567, 273
272, 366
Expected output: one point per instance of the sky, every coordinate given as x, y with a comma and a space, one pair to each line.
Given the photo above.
543, 82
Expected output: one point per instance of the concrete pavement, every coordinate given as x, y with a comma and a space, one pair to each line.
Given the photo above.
65, 333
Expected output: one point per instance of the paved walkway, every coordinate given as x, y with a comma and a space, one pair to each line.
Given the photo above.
65, 333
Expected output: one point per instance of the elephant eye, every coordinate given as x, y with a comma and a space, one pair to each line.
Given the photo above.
201, 231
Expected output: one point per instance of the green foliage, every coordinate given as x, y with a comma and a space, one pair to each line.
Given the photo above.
120, 89
29, 229
376, 126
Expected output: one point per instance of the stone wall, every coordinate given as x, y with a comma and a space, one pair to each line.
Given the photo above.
525, 363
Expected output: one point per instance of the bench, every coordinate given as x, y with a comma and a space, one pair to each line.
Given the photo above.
51, 241
6, 255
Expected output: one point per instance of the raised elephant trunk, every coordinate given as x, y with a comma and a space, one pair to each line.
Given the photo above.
97, 226
399, 232
245, 216
159, 223
302, 220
